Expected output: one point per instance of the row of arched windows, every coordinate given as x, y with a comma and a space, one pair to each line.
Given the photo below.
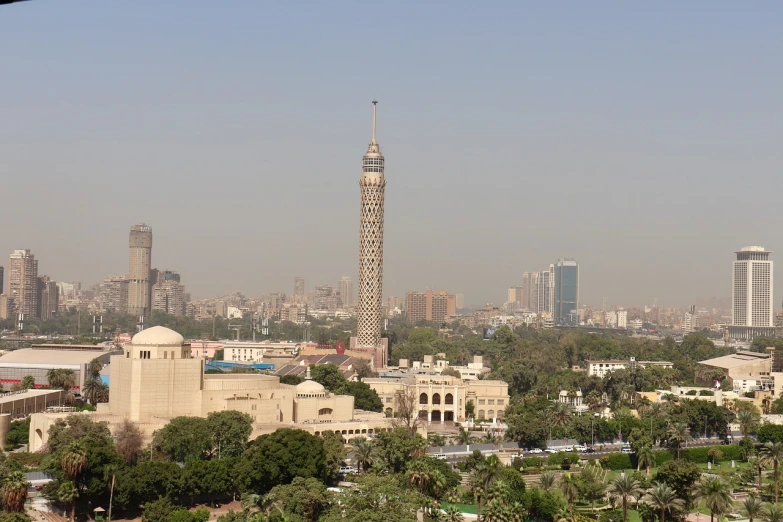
448, 399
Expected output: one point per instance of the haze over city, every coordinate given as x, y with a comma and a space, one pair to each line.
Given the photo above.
644, 143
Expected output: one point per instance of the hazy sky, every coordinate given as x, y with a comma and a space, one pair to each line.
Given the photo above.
645, 140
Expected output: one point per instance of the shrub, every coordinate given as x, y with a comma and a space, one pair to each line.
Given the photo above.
770, 433
556, 459
691, 392
706, 393
616, 461
532, 462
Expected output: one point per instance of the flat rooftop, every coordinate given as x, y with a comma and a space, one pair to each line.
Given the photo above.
33, 356
26, 394
730, 361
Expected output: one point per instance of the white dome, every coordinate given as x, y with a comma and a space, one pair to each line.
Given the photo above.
309, 388
157, 336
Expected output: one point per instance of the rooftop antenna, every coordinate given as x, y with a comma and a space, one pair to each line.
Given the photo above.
374, 107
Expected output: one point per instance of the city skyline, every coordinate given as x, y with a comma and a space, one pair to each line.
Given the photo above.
636, 144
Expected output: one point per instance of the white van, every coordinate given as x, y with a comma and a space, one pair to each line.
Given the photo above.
441, 456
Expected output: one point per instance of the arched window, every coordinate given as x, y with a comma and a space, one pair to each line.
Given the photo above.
491, 414
500, 414
423, 398
325, 411
436, 398
481, 414
449, 399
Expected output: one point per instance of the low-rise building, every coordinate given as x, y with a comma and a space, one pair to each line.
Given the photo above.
155, 379
442, 398
601, 368
38, 360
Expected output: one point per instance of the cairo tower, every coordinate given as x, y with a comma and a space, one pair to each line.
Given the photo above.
372, 185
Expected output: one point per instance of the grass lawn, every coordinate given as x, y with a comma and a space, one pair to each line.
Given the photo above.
471, 509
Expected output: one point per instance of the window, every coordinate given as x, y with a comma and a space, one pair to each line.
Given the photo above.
501, 402
388, 400
481, 401
491, 401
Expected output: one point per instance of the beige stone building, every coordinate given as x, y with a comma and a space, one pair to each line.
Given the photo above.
442, 398
156, 379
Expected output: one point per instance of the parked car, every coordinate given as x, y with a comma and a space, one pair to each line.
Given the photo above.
590, 449
580, 447
515, 455
626, 450
536, 450
552, 450
346, 470
441, 456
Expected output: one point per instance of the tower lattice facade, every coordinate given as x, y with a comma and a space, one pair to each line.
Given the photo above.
372, 186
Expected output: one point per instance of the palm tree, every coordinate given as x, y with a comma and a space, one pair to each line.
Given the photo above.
362, 451
546, 480
663, 498
495, 511
28, 381
646, 459
625, 486
772, 513
500, 490
418, 474
67, 494
94, 368
716, 494
15, 492
484, 475
559, 414
463, 437
74, 459
752, 507
747, 421
772, 453
569, 488
678, 434
760, 466
91, 390
453, 514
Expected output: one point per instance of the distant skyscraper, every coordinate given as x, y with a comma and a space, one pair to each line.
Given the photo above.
1, 279
169, 297
372, 186
545, 291
48, 298
23, 283
345, 288
140, 263
566, 292
113, 295
299, 287
752, 311
430, 306
529, 280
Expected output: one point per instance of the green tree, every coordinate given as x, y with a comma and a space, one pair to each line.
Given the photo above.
147, 481
362, 452
74, 459
547, 480
14, 492
230, 431
334, 454
68, 494
28, 382
681, 476
772, 453
365, 398
678, 435
645, 459
279, 457
158, 511
375, 498
770, 433
453, 514
482, 478
95, 391
396, 447
184, 438
748, 421
772, 513
305, 498
663, 498
625, 487
716, 494
752, 507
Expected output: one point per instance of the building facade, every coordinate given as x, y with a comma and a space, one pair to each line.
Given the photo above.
430, 306
372, 186
566, 283
602, 368
23, 283
752, 309
299, 286
139, 267
169, 297
113, 295
345, 292
48, 298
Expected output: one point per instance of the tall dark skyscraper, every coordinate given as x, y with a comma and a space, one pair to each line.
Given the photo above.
566, 292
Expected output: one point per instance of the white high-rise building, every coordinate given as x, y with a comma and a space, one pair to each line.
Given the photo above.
752, 310
345, 288
372, 185
140, 264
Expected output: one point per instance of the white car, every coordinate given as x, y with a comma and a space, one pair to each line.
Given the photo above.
346, 470
551, 450
580, 447
515, 455
536, 450
626, 450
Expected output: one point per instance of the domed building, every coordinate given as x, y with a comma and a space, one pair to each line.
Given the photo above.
155, 379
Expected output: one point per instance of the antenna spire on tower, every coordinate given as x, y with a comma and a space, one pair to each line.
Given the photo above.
374, 106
